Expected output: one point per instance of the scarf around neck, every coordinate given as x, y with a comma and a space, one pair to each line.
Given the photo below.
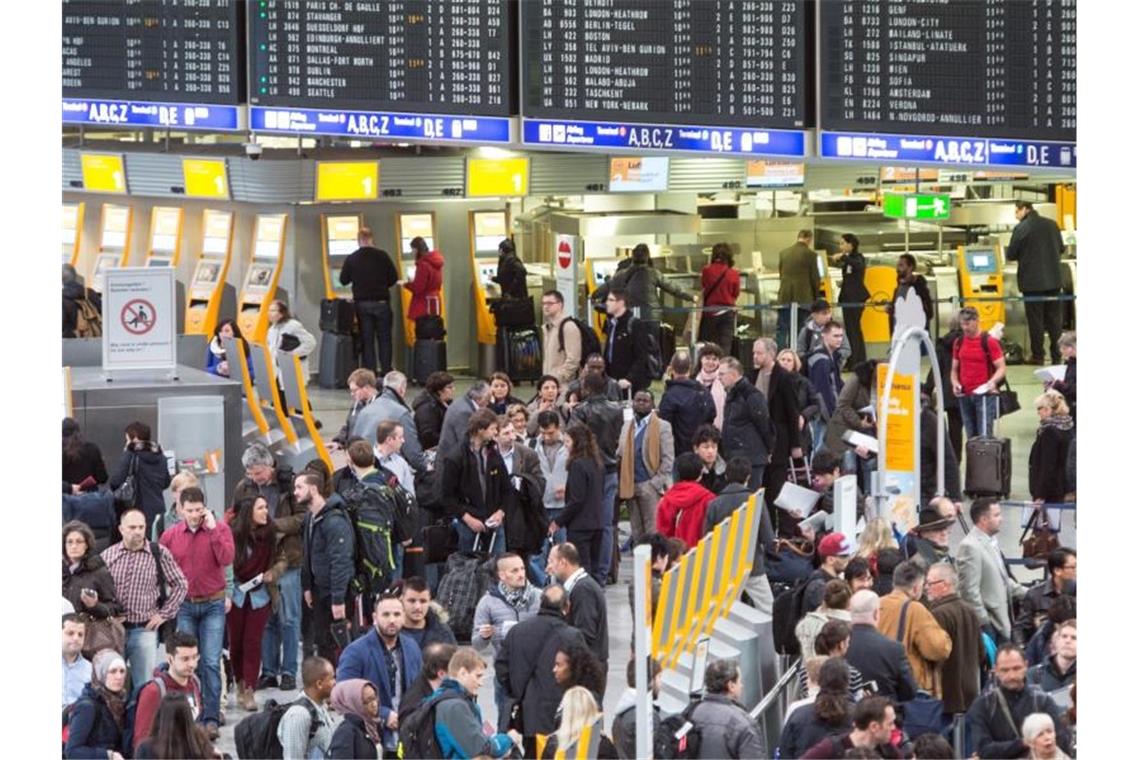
1059, 421
651, 451
516, 598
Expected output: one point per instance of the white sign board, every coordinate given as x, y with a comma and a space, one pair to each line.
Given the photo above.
565, 265
140, 321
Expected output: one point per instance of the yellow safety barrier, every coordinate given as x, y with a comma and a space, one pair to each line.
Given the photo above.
701, 588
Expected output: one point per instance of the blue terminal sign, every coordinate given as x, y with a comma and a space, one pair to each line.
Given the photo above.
616, 135
378, 125
137, 113
947, 150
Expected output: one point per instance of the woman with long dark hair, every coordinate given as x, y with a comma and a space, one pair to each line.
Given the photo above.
217, 363
97, 722
829, 715
83, 467
174, 734
720, 286
582, 515
576, 665
87, 583
852, 291
255, 589
143, 458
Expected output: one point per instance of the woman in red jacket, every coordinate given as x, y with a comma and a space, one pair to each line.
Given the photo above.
720, 284
425, 286
681, 511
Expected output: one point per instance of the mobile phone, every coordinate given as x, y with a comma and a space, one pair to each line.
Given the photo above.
89, 592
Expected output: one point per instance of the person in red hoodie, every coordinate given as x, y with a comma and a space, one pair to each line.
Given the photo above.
681, 511
175, 677
720, 286
425, 286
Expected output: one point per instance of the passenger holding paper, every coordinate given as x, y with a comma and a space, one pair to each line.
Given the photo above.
976, 370
256, 565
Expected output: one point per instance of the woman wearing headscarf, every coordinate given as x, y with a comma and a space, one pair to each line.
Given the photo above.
358, 735
96, 725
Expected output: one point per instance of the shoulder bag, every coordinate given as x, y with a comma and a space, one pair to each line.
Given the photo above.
923, 714
127, 493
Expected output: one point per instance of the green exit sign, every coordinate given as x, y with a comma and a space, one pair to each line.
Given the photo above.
916, 205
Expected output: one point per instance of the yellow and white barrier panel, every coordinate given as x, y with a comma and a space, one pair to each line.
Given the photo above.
586, 748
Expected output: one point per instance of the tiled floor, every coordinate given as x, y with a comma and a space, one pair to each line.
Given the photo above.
331, 406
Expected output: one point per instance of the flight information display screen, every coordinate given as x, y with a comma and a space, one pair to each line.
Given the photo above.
168, 51
702, 62
986, 68
433, 56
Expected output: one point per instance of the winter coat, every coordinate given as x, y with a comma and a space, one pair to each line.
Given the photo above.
428, 412
1049, 678
960, 670
660, 478
435, 630
803, 730
624, 727
288, 515
1047, 459
1034, 610
784, 410
1036, 246
626, 350
511, 276
823, 371
585, 486
425, 285
588, 613
390, 406
350, 741
453, 434
685, 405
681, 511
852, 398
305, 346
799, 275
927, 645
216, 354
364, 658
720, 285
641, 283
748, 429
151, 480
882, 660
92, 573
727, 730
328, 565
459, 726
992, 733
524, 667
461, 489
92, 729
88, 464
605, 419
494, 610
730, 499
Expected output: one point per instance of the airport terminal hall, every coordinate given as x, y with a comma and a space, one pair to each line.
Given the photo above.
569, 378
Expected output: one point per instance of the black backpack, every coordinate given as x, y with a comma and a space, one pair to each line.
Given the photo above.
255, 736
371, 508
417, 730
787, 610
409, 517
654, 361
590, 342
678, 736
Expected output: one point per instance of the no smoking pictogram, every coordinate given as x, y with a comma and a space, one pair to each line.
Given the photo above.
137, 316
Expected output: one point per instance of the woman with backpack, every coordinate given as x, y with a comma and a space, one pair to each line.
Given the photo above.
357, 737
143, 460
720, 284
97, 722
256, 568
175, 734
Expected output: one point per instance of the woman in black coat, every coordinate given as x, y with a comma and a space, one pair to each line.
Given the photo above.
1050, 452
829, 715
83, 569
357, 736
807, 397
97, 721
82, 460
853, 291
152, 476
430, 406
582, 515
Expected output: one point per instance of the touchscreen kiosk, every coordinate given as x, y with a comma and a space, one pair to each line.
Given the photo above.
337, 242
260, 283
114, 243
209, 279
488, 229
72, 231
598, 273
980, 282
410, 226
165, 241
826, 287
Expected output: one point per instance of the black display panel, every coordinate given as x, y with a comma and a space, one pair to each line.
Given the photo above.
714, 62
984, 68
169, 51
434, 56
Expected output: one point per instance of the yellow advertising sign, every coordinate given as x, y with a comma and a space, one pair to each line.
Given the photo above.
488, 177
347, 180
900, 418
205, 178
103, 172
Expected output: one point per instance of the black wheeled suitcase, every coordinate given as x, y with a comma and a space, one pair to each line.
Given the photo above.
519, 353
337, 316
337, 360
428, 355
989, 467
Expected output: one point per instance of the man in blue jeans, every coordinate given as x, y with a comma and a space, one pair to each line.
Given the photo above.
976, 370
372, 274
203, 548
474, 486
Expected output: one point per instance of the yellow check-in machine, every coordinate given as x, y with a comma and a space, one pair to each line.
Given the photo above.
114, 243
598, 272
72, 231
881, 282
487, 230
260, 283
980, 277
209, 280
410, 226
826, 286
337, 243
164, 244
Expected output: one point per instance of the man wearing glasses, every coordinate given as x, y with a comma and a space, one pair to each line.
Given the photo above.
1035, 606
562, 343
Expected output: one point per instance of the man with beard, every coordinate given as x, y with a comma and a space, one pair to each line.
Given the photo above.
329, 564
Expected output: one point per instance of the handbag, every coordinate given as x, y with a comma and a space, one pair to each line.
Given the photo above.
1007, 400
127, 493
1042, 541
923, 714
106, 633
513, 312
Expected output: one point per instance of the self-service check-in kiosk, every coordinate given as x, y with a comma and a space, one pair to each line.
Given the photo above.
410, 226
338, 241
165, 242
72, 231
881, 281
980, 277
114, 243
487, 229
598, 272
826, 286
260, 284
209, 280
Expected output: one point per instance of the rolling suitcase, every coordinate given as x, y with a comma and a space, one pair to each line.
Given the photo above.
337, 360
337, 316
519, 353
989, 466
428, 355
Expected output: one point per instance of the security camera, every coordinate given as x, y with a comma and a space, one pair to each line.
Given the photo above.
252, 150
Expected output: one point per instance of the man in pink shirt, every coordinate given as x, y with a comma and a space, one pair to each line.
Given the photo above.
203, 548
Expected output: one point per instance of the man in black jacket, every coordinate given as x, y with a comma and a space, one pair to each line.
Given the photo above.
685, 405
329, 564
627, 344
372, 274
474, 484
878, 658
604, 418
511, 276
524, 666
1036, 246
587, 599
747, 428
432, 672
1062, 568
780, 389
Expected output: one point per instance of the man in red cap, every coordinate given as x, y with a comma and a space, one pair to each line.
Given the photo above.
834, 550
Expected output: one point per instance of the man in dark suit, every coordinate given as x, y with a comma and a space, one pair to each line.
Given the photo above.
587, 599
1036, 246
799, 283
878, 658
780, 389
627, 345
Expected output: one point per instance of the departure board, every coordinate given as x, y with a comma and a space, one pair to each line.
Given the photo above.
167, 51
434, 56
705, 62
986, 68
